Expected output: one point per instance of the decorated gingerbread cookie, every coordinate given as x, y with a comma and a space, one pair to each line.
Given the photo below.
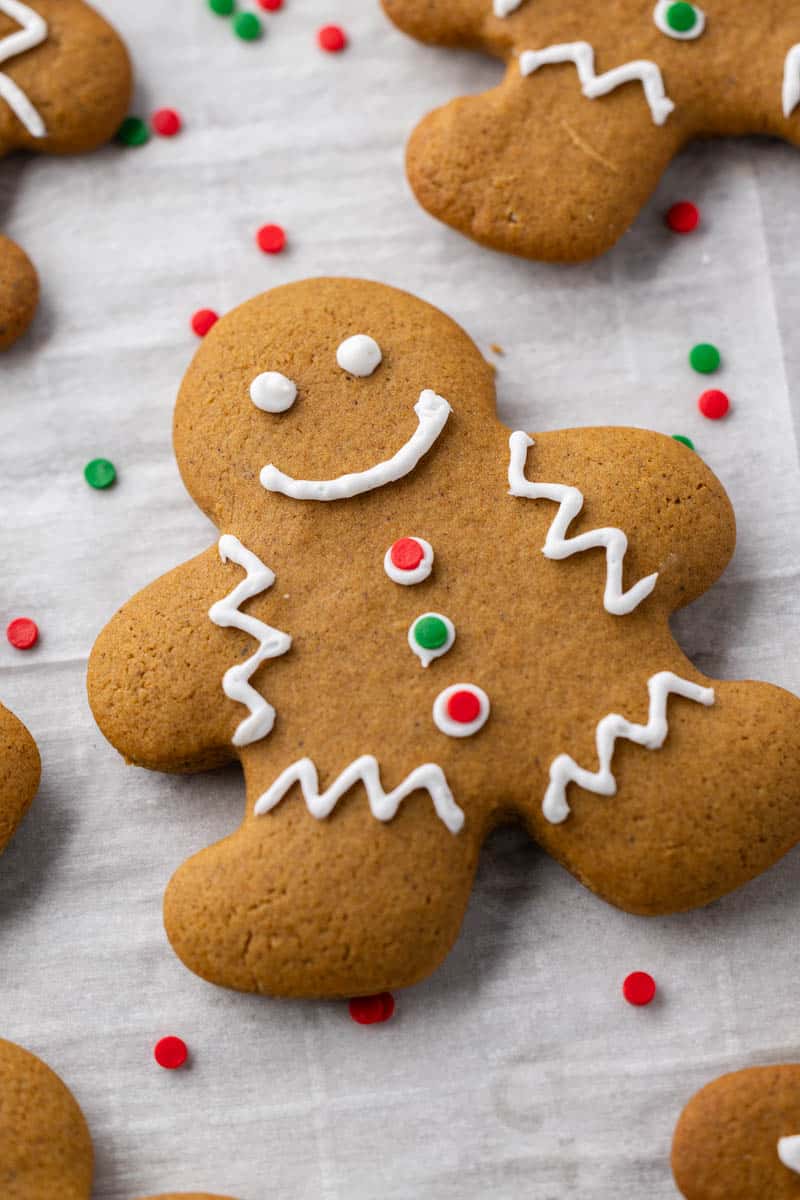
45, 1145
65, 84
415, 625
557, 161
20, 769
739, 1138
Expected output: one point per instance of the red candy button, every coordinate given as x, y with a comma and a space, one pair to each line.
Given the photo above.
203, 320
23, 633
407, 554
683, 217
271, 239
271, 5
464, 707
332, 38
166, 122
713, 404
170, 1053
639, 988
372, 1010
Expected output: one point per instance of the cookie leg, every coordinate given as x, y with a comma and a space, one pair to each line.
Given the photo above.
19, 292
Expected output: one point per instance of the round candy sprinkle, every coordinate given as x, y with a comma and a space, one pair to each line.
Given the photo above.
639, 988
247, 26
271, 5
681, 16
372, 1010
705, 358
407, 554
332, 38
683, 439
23, 633
133, 132
430, 633
271, 239
714, 404
463, 707
203, 320
100, 473
223, 8
683, 217
170, 1053
166, 122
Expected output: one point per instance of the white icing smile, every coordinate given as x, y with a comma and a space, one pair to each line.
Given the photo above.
32, 33
432, 413
594, 85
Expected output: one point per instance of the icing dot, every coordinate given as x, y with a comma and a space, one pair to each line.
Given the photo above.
683, 439
271, 239
223, 8
332, 38
247, 26
133, 132
204, 320
273, 392
409, 561
463, 707
461, 710
681, 17
372, 1010
430, 636
407, 554
359, 355
705, 358
100, 473
166, 122
23, 633
683, 217
170, 1053
714, 404
639, 988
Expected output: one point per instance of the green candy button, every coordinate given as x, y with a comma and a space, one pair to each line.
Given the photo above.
681, 16
133, 132
430, 633
223, 8
705, 358
247, 26
684, 441
100, 473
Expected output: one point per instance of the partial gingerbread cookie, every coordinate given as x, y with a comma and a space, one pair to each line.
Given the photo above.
739, 1138
20, 769
557, 161
65, 85
413, 627
45, 1145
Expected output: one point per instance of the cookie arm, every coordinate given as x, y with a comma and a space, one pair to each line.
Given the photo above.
20, 769
441, 22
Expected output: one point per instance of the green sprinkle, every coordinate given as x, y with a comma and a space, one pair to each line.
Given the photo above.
247, 26
705, 358
684, 441
133, 132
681, 16
430, 633
223, 8
100, 473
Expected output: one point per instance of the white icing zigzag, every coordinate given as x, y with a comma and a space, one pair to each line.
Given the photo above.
557, 545
504, 8
791, 81
272, 642
789, 1152
564, 770
593, 85
384, 805
32, 33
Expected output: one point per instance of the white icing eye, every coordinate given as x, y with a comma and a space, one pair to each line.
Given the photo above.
359, 355
679, 19
273, 392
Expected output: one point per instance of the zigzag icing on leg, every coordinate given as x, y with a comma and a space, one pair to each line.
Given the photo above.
272, 642
593, 85
564, 770
32, 33
791, 81
557, 545
384, 805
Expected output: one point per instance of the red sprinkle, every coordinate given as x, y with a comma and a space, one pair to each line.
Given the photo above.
271, 5
464, 707
372, 1010
407, 554
714, 404
23, 633
271, 239
332, 38
683, 217
203, 320
170, 1053
166, 121
639, 988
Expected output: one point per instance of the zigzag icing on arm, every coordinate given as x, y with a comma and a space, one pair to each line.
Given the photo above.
32, 34
564, 770
789, 1152
593, 85
272, 642
557, 545
791, 81
383, 805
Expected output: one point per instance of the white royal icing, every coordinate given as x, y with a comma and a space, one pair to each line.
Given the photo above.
791, 81
582, 55
383, 805
504, 8
272, 392
420, 573
789, 1152
564, 770
32, 33
558, 546
426, 656
272, 642
460, 729
359, 355
660, 18
432, 413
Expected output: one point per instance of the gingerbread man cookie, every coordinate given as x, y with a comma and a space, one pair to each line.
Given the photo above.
65, 85
45, 1144
414, 626
20, 769
739, 1138
557, 161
